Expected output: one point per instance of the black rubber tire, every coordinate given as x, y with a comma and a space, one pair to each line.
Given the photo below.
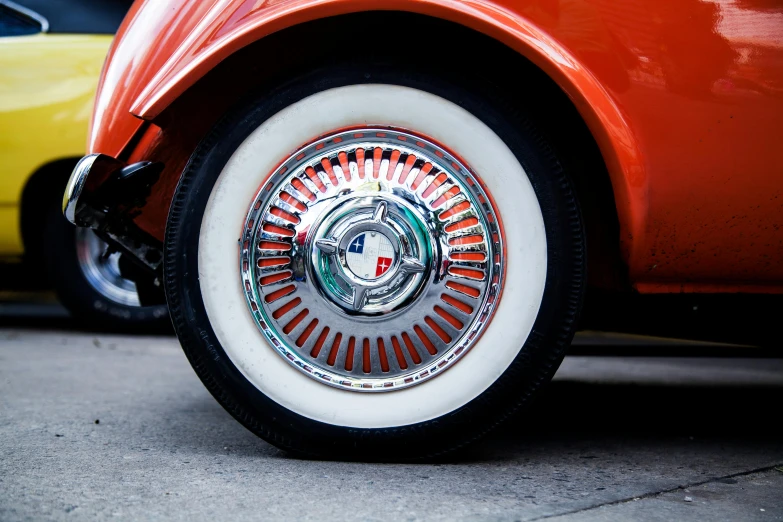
88, 306
536, 361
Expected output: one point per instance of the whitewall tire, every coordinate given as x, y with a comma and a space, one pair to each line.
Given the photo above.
519, 329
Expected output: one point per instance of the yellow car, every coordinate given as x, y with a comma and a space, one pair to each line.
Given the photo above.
51, 55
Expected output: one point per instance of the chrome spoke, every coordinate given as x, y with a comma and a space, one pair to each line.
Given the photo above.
359, 297
411, 265
327, 246
380, 213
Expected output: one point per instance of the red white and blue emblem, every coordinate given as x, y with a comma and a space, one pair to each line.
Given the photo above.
370, 255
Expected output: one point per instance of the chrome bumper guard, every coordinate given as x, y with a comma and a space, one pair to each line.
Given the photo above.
98, 167
104, 194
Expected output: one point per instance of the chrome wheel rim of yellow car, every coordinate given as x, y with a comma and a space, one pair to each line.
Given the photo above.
102, 271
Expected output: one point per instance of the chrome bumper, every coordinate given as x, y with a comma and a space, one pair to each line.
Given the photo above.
104, 194
96, 167
75, 185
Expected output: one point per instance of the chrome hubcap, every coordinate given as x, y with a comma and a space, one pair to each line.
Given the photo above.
372, 259
102, 271
366, 251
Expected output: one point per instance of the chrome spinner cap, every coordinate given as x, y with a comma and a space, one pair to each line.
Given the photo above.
366, 254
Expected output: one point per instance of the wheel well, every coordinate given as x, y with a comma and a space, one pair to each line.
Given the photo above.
44, 187
282, 55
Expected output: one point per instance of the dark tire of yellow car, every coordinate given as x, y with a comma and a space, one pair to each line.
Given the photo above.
90, 285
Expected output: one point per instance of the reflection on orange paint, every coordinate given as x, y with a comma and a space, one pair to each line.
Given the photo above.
319, 343
306, 333
366, 365
293, 323
456, 303
313, 175
302, 189
290, 305
265, 262
425, 340
683, 97
280, 231
411, 348
382, 355
288, 198
327, 165
279, 294
425, 169
336, 348
274, 245
398, 353
282, 214
360, 162
459, 225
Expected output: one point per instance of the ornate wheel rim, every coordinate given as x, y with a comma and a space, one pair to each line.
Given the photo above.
372, 259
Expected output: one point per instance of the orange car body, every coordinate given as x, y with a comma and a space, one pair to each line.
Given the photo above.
684, 99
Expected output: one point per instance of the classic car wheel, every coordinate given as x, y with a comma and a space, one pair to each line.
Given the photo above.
90, 284
103, 271
359, 267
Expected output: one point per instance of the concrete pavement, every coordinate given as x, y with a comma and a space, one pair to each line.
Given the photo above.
103, 426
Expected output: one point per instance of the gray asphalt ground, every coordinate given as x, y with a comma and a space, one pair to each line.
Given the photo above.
96, 426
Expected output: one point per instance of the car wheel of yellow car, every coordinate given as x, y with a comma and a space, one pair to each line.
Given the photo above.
368, 263
90, 284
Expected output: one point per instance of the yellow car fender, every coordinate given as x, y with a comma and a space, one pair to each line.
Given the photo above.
46, 96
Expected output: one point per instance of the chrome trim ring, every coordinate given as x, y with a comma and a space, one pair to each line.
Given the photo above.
103, 272
369, 199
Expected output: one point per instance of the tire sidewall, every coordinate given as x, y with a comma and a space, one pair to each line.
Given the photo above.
534, 364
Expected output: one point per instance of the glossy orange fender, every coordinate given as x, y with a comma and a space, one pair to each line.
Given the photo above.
651, 78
